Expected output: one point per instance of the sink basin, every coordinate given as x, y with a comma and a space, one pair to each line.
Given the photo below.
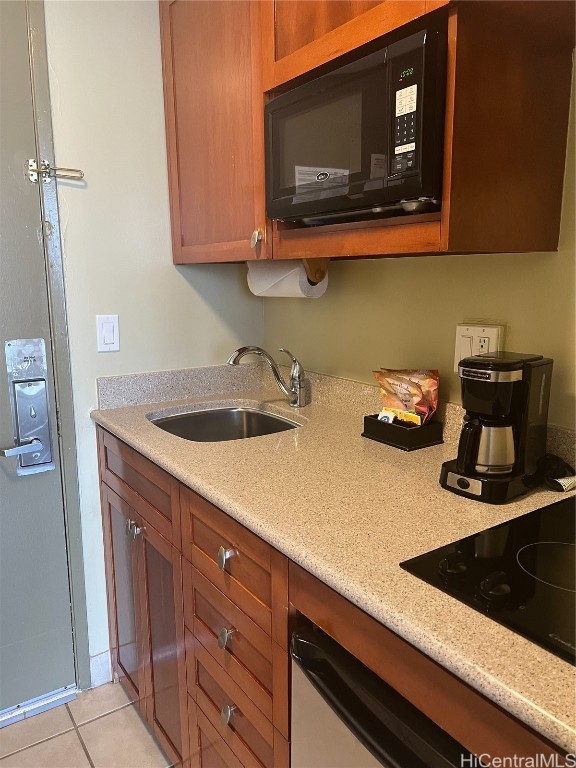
216, 425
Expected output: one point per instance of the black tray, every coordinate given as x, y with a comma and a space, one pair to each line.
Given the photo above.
408, 438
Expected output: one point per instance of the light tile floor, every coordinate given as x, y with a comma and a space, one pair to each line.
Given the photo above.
99, 729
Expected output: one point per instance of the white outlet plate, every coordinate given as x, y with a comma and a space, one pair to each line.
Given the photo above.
475, 339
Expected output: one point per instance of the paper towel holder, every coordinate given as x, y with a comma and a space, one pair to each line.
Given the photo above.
316, 269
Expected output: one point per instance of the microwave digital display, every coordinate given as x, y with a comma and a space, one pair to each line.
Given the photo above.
362, 140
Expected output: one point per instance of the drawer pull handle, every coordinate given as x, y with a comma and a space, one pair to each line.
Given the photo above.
223, 556
226, 713
224, 636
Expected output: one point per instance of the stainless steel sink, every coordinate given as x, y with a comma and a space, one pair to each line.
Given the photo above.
216, 425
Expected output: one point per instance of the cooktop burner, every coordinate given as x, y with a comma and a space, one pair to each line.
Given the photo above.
551, 562
520, 573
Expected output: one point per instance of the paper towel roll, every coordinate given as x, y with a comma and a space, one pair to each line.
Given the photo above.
283, 278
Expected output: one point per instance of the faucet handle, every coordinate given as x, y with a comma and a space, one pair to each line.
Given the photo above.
296, 370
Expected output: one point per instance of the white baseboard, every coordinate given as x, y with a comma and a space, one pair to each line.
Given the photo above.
100, 669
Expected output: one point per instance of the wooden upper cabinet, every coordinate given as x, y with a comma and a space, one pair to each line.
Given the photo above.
298, 35
213, 101
509, 69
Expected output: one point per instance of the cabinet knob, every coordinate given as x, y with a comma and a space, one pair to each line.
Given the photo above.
226, 713
129, 524
223, 556
224, 636
137, 531
255, 239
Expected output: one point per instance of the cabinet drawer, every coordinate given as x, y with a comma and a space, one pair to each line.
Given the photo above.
240, 723
148, 489
207, 612
246, 576
206, 742
237, 671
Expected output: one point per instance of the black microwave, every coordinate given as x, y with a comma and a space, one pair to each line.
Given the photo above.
365, 140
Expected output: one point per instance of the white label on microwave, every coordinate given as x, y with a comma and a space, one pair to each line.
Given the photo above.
378, 166
316, 183
406, 100
405, 148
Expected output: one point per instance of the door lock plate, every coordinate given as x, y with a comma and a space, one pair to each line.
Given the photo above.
29, 402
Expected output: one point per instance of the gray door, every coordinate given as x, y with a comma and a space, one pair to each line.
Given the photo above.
36, 646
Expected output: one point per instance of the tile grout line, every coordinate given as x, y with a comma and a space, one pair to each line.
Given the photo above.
104, 714
36, 743
84, 747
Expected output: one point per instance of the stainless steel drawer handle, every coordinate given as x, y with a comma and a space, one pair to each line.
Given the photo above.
226, 713
35, 446
223, 556
224, 636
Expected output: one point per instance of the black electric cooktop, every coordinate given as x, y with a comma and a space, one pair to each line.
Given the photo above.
520, 573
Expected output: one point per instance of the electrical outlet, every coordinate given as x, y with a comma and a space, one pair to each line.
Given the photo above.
476, 339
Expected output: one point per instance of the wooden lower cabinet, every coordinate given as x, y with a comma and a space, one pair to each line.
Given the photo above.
123, 577
202, 647
144, 582
165, 653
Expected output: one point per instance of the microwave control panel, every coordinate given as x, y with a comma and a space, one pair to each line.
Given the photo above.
405, 103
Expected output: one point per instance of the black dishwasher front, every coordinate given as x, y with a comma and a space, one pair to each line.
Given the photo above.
344, 716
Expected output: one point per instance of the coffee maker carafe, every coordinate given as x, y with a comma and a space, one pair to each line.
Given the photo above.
505, 395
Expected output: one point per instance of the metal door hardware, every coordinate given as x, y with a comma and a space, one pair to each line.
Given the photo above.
47, 172
35, 446
29, 403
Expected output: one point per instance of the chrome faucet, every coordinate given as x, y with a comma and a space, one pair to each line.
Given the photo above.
299, 392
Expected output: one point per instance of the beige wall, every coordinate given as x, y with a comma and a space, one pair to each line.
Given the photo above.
108, 115
402, 313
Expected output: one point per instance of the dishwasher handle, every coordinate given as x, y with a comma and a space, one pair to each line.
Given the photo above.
395, 732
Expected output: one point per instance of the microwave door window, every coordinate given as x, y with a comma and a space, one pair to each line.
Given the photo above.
320, 147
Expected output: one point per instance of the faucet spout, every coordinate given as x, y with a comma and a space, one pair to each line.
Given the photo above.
298, 392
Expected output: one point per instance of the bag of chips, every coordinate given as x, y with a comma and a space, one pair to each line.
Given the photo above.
408, 395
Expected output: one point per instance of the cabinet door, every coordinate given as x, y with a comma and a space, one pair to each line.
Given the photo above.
214, 126
123, 579
300, 36
164, 652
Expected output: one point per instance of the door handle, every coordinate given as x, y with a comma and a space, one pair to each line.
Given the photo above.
21, 450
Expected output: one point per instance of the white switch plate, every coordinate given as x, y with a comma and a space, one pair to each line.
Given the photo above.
475, 339
107, 334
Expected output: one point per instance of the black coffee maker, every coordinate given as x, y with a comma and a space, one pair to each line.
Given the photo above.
506, 397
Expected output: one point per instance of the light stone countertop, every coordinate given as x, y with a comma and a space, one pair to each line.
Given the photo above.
349, 510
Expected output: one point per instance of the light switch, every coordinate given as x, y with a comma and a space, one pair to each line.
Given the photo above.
107, 334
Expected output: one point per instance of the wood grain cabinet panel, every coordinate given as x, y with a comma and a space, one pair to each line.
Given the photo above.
208, 613
213, 102
144, 588
215, 691
209, 750
251, 576
153, 493
123, 578
165, 652
300, 36
298, 23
